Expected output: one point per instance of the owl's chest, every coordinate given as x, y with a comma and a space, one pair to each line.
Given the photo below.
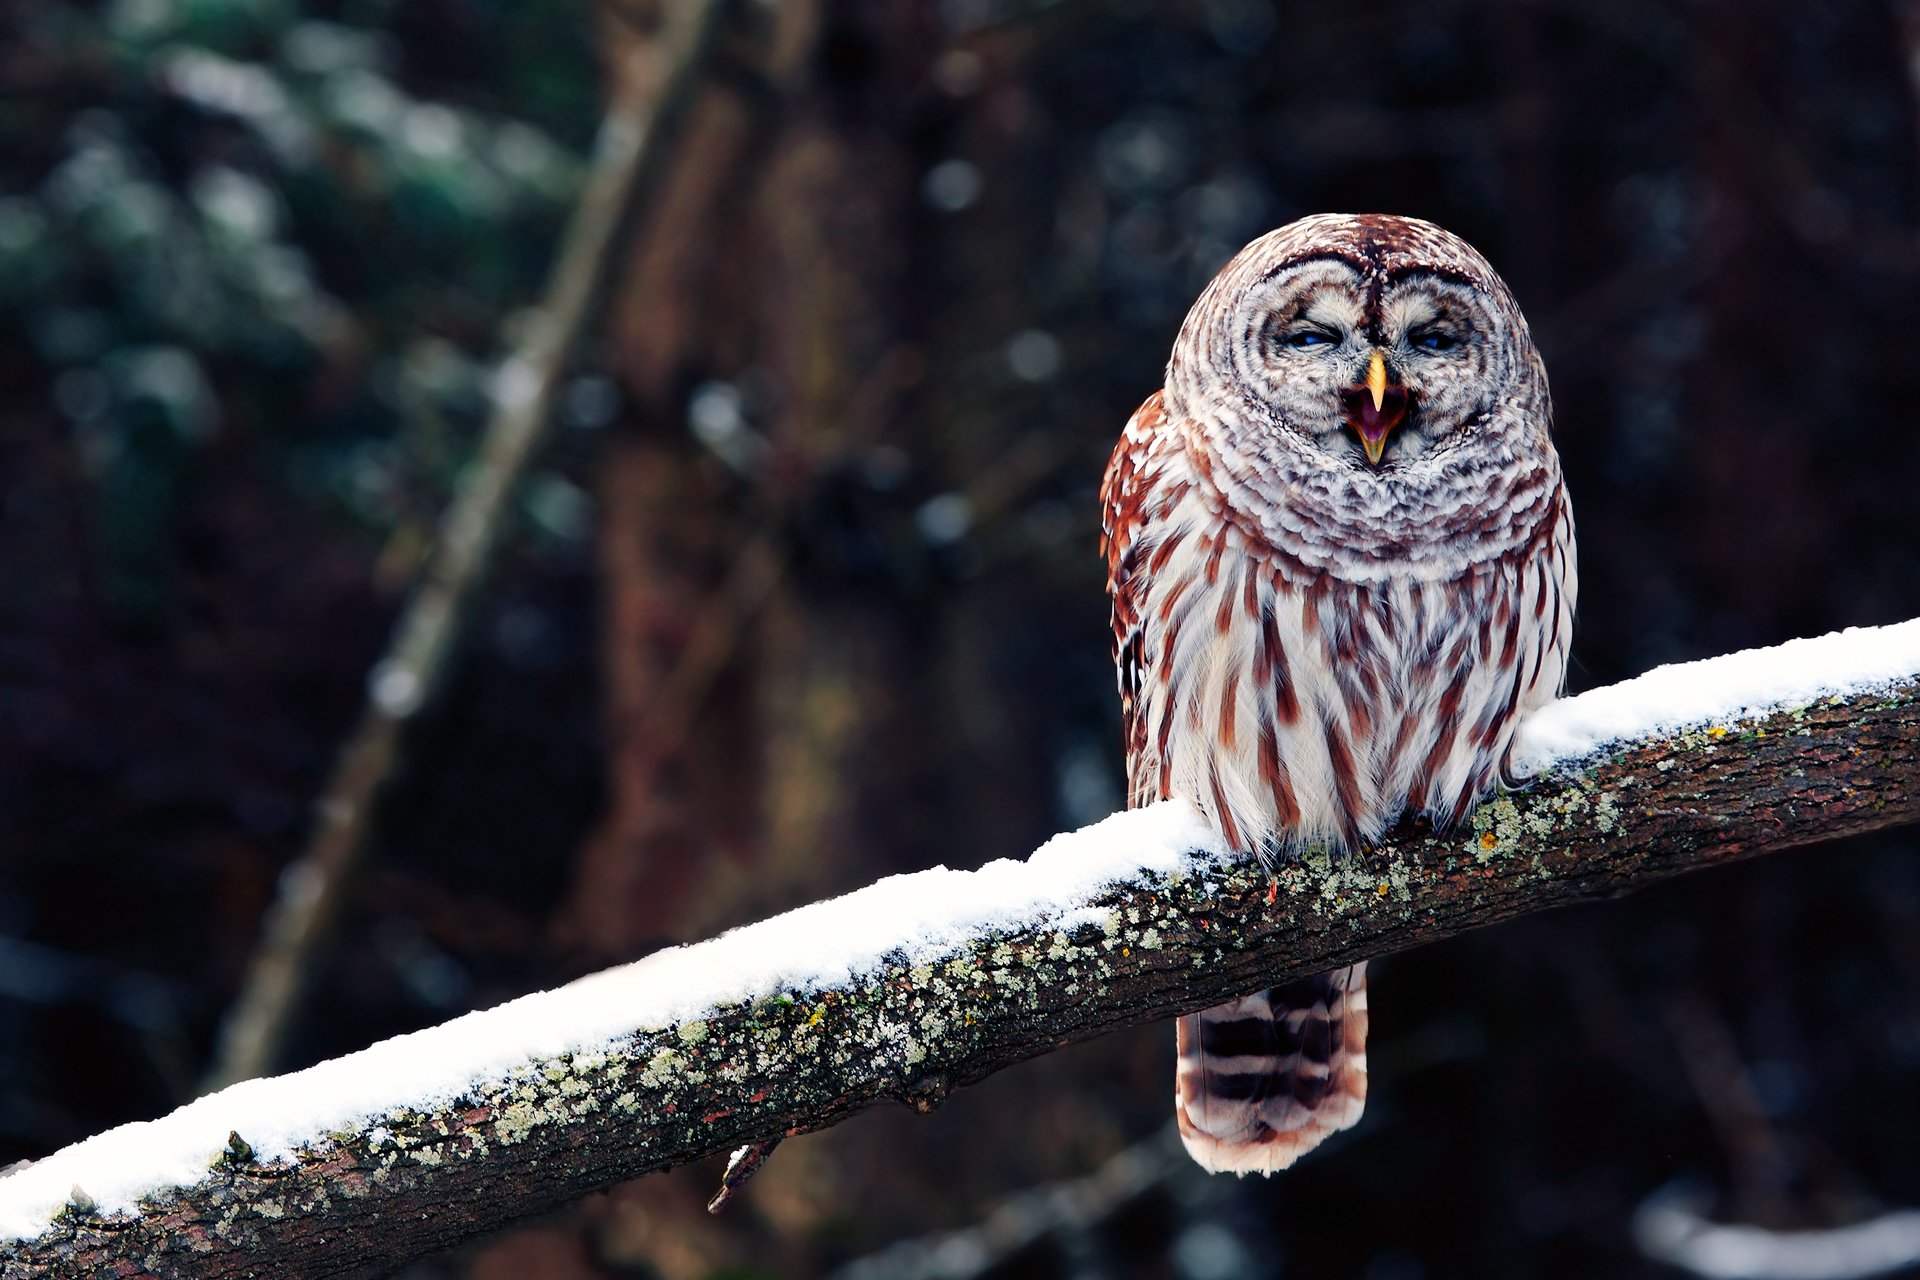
1290, 704
1222, 611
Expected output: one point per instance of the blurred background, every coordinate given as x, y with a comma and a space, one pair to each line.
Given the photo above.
801, 588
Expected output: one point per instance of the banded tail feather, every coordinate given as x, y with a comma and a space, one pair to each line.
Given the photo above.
1264, 1079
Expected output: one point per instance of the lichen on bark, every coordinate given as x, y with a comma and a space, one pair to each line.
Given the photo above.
793, 1061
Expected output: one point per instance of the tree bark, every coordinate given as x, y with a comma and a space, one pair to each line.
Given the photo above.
360, 1203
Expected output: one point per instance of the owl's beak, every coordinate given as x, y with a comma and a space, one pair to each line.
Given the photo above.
1375, 408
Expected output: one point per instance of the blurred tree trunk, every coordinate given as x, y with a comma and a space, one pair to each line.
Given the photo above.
801, 695
744, 699
837, 661
761, 674
677, 792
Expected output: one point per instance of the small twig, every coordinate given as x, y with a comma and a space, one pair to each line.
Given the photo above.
629, 157
744, 1163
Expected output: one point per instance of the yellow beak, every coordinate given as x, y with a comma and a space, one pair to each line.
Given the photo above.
1376, 383
1375, 408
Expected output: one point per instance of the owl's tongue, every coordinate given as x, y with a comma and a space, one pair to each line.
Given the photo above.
1374, 410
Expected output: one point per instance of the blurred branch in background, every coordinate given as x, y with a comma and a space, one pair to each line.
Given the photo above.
1759, 1171
635, 137
1066, 1212
1672, 1227
776, 1057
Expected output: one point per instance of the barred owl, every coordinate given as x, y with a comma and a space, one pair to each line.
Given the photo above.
1342, 568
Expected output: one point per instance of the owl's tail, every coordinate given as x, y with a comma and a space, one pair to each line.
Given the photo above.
1264, 1079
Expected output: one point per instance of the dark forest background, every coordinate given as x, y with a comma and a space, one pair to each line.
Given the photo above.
911, 268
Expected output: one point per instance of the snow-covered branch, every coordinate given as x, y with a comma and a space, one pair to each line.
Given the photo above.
919, 984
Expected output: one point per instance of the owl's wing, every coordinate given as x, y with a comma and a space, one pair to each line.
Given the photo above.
1564, 573
1550, 597
1125, 495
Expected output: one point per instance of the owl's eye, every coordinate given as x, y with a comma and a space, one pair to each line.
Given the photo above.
1307, 339
1434, 340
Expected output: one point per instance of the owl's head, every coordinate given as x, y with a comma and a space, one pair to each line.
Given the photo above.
1361, 343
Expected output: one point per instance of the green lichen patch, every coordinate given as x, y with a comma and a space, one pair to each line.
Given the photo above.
1606, 813
662, 1068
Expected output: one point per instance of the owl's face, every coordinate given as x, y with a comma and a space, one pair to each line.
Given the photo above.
1362, 344
1369, 378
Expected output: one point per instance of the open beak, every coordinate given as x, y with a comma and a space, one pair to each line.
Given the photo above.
1375, 408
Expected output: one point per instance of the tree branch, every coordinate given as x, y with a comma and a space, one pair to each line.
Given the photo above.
671, 1071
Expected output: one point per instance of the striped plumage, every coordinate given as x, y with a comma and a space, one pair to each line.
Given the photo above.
1342, 568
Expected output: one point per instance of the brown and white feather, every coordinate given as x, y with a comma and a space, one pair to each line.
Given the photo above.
1309, 645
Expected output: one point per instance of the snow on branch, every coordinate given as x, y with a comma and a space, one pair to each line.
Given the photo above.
922, 983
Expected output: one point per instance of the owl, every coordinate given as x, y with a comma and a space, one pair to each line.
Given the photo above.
1342, 567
